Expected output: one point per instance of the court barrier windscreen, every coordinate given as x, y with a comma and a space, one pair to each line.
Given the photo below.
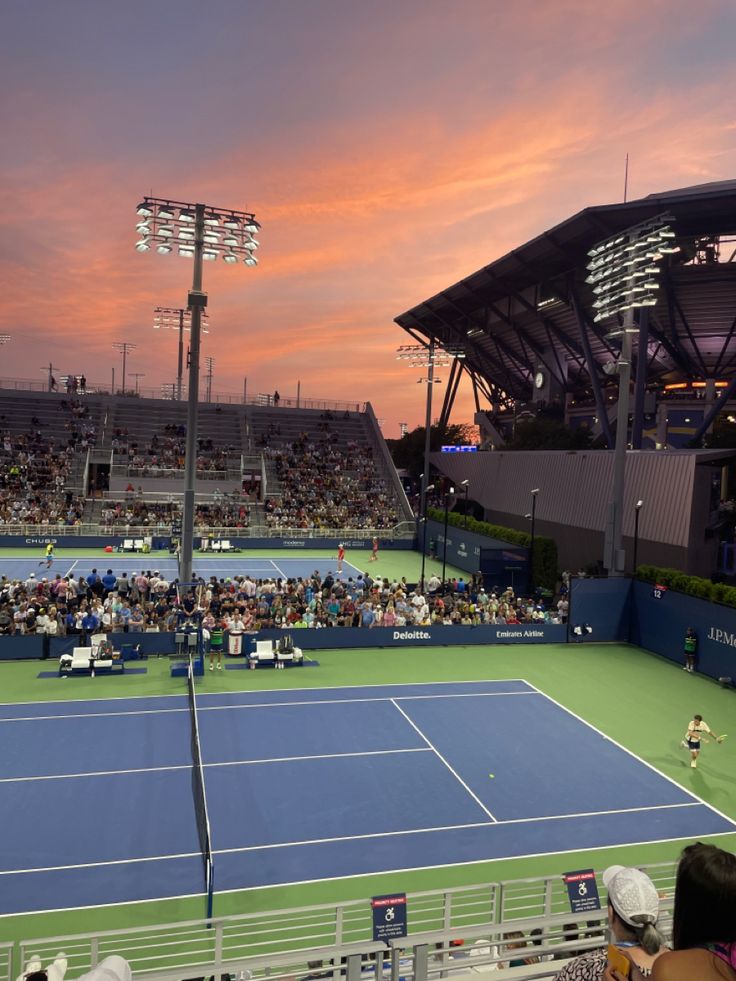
604, 604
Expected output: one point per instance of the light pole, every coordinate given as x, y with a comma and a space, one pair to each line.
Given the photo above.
48, 369
465, 484
210, 362
622, 271
124, 347
137, 375
531, 544
172, 318
428, 356
424, 539
637, 509
201, 233
448, 494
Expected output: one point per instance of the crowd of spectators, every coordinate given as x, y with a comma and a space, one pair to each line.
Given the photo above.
324, 485
224, 511
34, 471
166, 452
147, 601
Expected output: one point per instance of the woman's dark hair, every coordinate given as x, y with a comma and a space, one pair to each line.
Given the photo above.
705, 897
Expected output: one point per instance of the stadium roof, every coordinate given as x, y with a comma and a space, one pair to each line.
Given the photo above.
531, 309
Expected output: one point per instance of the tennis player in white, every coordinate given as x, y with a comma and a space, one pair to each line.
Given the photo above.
696, 731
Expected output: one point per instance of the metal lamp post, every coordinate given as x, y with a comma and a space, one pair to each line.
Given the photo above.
448, 494
424, 538
465, 484
181, 318
622, 271
202, 233
428, 356
532, 583
637, 509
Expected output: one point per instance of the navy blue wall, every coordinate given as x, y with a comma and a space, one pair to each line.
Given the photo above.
463, 547
88, 541
603, 603
21, 648
328, 638
331, 638
660, 625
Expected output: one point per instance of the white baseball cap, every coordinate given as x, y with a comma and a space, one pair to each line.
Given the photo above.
632, 894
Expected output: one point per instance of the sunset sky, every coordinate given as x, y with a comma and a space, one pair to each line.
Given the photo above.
388, 147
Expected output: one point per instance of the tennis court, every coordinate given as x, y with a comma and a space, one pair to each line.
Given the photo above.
312, 784
265, 567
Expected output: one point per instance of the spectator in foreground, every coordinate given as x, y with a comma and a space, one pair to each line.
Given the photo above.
633, 909
704, 918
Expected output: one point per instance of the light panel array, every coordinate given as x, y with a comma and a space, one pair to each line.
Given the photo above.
623, 269
170, 226
419, 356
169, 318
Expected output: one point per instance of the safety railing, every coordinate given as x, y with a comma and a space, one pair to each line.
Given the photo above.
402, 532
491, 923
6, 961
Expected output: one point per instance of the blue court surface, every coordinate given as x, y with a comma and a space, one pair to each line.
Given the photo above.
312, 784
205, 566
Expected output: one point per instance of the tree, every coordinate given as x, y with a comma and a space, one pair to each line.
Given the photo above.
544, 433
408, 452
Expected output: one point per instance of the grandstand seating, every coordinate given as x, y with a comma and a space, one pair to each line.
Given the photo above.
324, 471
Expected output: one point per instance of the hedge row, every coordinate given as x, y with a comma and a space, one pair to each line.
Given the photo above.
545, 549
716, 592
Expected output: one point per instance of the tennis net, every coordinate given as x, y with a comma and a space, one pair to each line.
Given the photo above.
200, 796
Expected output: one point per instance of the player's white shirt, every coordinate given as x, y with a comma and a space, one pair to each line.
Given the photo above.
695, 729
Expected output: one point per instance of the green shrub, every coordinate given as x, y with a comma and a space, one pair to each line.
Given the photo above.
690, 585
545, 571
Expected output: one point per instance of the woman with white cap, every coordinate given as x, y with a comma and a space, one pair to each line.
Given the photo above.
633, 909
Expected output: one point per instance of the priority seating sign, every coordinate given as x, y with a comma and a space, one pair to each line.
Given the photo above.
389, 916
582, 890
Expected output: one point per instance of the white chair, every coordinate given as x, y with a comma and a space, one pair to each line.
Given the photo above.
225, 545
263, 654
128, 545
138, 545
216, 546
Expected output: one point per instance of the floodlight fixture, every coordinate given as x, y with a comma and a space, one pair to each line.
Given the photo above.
160, 220
198, 230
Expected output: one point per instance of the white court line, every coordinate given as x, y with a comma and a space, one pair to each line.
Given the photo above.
93, 715
451, 865
188, 766
70, 569
266, 691
373, 835
260, 705
439, 755
639, 759
447, 827
102, 865
278, 569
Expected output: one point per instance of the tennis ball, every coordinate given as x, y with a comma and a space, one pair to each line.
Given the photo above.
492, 776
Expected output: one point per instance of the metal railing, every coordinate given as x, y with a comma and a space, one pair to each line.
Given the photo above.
216, 398
278, 944
400, 532
6, 961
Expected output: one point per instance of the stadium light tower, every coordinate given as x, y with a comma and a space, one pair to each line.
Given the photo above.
210, 362
177, 317
429, 356
623, 272
202, 233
